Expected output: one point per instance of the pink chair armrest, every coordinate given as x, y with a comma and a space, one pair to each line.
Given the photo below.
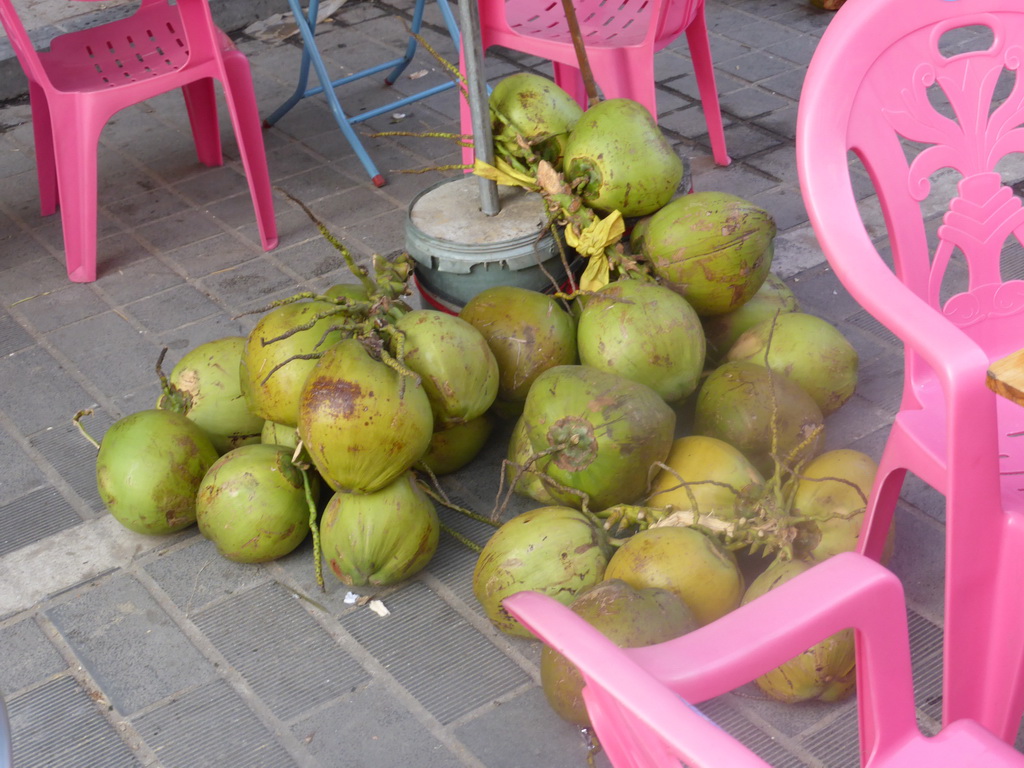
847, 590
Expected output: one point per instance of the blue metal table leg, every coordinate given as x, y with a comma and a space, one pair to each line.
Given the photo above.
300, 89
306, 24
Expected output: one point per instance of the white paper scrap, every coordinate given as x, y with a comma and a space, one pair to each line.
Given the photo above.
379, 608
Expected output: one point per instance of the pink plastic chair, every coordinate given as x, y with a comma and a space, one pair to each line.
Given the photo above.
633, 695
875, 89
621, 39
88, 76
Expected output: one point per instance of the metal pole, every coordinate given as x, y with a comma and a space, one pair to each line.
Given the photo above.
476, 86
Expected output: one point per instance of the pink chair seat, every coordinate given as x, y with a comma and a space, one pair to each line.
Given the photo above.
638, 698
88, 76
621, 39
924, 94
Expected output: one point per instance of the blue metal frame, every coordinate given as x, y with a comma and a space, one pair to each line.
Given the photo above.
311, 57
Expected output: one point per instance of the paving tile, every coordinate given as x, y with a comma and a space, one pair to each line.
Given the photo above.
496, 737
195, 575
114, 366
220, 252
755, 66
59, 725
210, 727
289, 660
18, 473
13, 337
74, 459
37, 657
60, 307
378, 731
22, 277
32, 518
181, 229
172, 308
255, 281
127, 281
128, 644
431, 651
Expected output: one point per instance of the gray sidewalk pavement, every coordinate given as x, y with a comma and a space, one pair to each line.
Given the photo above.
125, 650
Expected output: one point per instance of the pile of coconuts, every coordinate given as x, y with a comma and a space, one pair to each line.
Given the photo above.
667, 422
681, 454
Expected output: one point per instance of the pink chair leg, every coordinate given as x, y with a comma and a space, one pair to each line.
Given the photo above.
628, 74
245, 118
201, 104
570, 80
46, 164
76, 179
704, 70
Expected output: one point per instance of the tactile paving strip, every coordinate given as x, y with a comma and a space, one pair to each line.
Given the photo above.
289, 660
58, 725
837, 745
447, 666
926, 658
734, 723
209, 727
73, 457
12, 336
34, 517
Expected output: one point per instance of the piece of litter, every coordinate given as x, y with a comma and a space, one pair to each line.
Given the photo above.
398, 115
351, 598
379, 608
419, 74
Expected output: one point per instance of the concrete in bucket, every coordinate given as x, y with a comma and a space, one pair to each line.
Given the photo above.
460, 251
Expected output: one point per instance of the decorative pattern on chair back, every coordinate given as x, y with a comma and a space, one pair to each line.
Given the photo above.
954, 97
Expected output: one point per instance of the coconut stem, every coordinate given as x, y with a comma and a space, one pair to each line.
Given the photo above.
77, 421
314, 528
438, 495
464, 540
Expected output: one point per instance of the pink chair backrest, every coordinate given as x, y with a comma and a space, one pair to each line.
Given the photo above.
609, 23
916, 99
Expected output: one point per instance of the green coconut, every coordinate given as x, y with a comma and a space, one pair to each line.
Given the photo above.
271, 374
831, 495
458, 371
379, 538
721, 331
762, 413
535, 108
363, 423
453, 448
806, 349
712, 247
685, 561
596, 434
527, 331
148, 470
208, 377
707, 476
555, 550
824, 672
628, 617
252, 504
520, 473
645, 332
279, 434
621, 159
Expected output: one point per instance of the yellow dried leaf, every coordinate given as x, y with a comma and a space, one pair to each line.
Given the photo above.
596, 275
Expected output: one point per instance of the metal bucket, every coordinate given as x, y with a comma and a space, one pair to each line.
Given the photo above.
460, 252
